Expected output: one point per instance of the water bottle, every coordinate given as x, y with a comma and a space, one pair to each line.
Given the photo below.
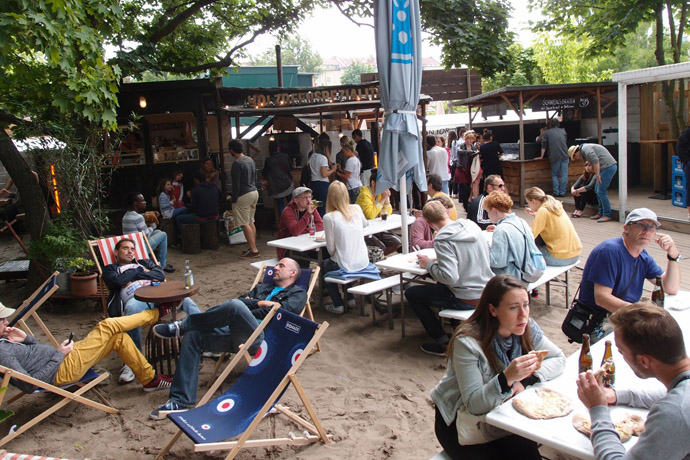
312, 227
188, 275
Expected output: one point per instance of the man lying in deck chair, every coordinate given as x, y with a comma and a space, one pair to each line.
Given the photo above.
225, 327
71, 360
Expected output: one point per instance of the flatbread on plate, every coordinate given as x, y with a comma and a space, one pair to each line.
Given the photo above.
541, 354
626, 424
543, 404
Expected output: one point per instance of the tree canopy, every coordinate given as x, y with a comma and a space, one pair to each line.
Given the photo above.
352, 73
295, 50
607, 23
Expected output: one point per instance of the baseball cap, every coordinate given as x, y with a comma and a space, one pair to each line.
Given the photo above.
571, 151
5, 312
641, 214
300, 190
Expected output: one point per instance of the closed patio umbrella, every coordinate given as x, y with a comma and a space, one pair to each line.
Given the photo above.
399, 58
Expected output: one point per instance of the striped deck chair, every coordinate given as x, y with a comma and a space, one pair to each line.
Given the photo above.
88, 382
103, 254
239, 410
307, 280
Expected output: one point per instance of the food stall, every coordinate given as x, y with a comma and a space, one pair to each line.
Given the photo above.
583, 108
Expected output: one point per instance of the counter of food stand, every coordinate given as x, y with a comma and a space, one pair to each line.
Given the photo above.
519, 175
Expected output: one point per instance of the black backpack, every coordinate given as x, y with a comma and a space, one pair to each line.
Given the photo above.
305, 178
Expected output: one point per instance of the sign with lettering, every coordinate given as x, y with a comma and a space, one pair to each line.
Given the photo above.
544, 103
287, 98
494, 110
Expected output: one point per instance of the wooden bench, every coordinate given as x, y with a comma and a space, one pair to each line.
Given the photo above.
551, 274
343, 282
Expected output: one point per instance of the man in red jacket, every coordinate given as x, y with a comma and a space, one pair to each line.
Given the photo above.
296, 216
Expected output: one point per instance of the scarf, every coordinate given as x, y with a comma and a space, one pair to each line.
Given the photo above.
509, 348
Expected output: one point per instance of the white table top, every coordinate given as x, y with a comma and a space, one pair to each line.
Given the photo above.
303, 243
559, 433
407, 263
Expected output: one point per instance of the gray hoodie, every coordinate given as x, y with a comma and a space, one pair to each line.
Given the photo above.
31, 358
462, 259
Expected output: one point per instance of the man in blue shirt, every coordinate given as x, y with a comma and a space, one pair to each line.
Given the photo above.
224, 327
616, 269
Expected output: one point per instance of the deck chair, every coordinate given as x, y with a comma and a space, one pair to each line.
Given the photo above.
307, 281
88, 382
239, 410
103, 254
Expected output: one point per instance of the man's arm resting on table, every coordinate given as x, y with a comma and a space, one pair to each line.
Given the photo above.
603, 296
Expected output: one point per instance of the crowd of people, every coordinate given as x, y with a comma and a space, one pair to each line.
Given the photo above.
488, 355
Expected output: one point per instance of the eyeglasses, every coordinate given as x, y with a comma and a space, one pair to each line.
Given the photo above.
499, 185
646, 227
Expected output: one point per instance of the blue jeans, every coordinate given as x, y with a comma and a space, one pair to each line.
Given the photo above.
333, 291
445, 188
423, 298
353, 193
559, 176
551, 261
159, 241
281, 203
600, 189
134, 306
320, 189
221, 328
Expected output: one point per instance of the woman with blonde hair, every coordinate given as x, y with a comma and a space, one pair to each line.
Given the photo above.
555, 235
512, 239
344, 226
489, 361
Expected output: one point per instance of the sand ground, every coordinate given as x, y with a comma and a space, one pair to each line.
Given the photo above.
369, 386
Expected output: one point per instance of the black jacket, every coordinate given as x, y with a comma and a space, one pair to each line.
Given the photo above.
116, 281
293, 298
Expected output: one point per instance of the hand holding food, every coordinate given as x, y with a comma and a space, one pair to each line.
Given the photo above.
521, 367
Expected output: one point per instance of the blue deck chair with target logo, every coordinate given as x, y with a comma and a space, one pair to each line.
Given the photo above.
288, 339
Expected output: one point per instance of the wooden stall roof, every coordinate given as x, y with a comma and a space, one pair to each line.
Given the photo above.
531, 91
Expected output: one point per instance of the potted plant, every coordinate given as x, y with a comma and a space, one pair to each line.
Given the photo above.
60, 243
83, 278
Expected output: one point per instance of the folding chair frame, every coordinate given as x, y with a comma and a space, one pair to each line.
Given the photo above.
67, 396
99, 259
315, 428
307, 309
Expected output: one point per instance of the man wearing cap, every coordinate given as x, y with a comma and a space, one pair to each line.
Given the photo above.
616, 269
296, 216
71, 360
604, 167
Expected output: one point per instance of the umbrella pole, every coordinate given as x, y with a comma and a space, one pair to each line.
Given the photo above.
403, 214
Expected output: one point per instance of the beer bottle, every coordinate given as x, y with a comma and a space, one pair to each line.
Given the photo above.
658, 293
188, 275
585, 355
610, 374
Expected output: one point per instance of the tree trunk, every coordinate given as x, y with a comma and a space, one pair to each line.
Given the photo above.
33, 201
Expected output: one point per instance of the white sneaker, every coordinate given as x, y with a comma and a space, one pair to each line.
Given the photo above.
333, 309
126, 374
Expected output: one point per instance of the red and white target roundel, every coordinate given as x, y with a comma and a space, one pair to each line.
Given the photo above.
279, 316
296, 355
225, 405
269, 272
260, 354
206, 426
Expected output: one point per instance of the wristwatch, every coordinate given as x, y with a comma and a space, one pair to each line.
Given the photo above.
674, 259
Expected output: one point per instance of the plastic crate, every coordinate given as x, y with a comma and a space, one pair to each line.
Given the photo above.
679, 198
677, 164
678, 181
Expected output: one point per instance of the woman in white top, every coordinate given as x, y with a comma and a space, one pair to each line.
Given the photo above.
320, 171
344, 226
352, 169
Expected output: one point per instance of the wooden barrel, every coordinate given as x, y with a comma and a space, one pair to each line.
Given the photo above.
169, 227
191, 239
209, 235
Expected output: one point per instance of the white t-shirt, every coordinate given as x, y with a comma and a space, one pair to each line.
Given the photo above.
316, 161
354, 166
345, 239
437, 162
